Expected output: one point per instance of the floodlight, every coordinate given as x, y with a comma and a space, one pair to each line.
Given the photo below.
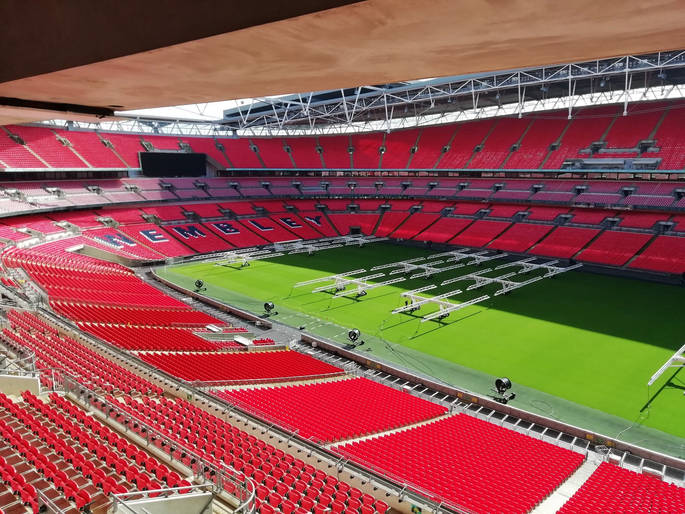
353, 334
502, 385
268, 306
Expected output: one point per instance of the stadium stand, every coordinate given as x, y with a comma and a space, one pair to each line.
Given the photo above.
564, 242
336, 410
498, 144
344, 222
480, 233
201, 238
398, 147
335, 151
148, 337
414, 225
366, 153
284, 481
430, 144
614, 248
237, 367
467, 137
520, 237
534, 468
537, 140
54, 350
665, 254
614, 489
303, 152
389, 222
272, 153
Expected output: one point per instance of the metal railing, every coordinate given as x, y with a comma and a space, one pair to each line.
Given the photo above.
120, 500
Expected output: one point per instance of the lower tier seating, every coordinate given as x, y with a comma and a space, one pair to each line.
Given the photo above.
520, 237
56, 351
74, 460
443, 230
665, 254
615, 489
336, 410
614, 248
480, 233
148, 337
469, 463
564, 242
270, 366
284, 482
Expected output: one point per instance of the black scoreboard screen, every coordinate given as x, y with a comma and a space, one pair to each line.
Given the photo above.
173, 164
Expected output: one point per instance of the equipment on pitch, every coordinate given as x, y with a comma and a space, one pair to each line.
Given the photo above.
200, 286
502, 385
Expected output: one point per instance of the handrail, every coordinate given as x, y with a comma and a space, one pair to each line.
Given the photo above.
221, 472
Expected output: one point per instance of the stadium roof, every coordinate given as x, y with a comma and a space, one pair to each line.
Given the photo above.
70, 58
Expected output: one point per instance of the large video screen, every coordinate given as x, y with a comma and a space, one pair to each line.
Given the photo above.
173, 164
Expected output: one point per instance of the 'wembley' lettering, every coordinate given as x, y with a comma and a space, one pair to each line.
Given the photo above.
258, 225
226, 228
153, 236
316, 220
117, 240
189, 231
291, 223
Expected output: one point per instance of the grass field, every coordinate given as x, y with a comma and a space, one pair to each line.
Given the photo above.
589, 339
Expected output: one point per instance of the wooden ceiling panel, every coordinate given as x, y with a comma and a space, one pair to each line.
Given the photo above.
369, 42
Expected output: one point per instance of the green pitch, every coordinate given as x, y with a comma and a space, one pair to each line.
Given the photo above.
576, 346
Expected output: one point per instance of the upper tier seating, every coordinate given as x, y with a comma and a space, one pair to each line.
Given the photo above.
207, 146
398, 147
462, 460
587, 127
91, 148
272, 153
240, 154
127, 146
336, 410
510, 143
464, 142
537, 140
430, 145
271, 366
498, 144
303, 152
614, 489
366, 153
335, 151
670, 138
44, 143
